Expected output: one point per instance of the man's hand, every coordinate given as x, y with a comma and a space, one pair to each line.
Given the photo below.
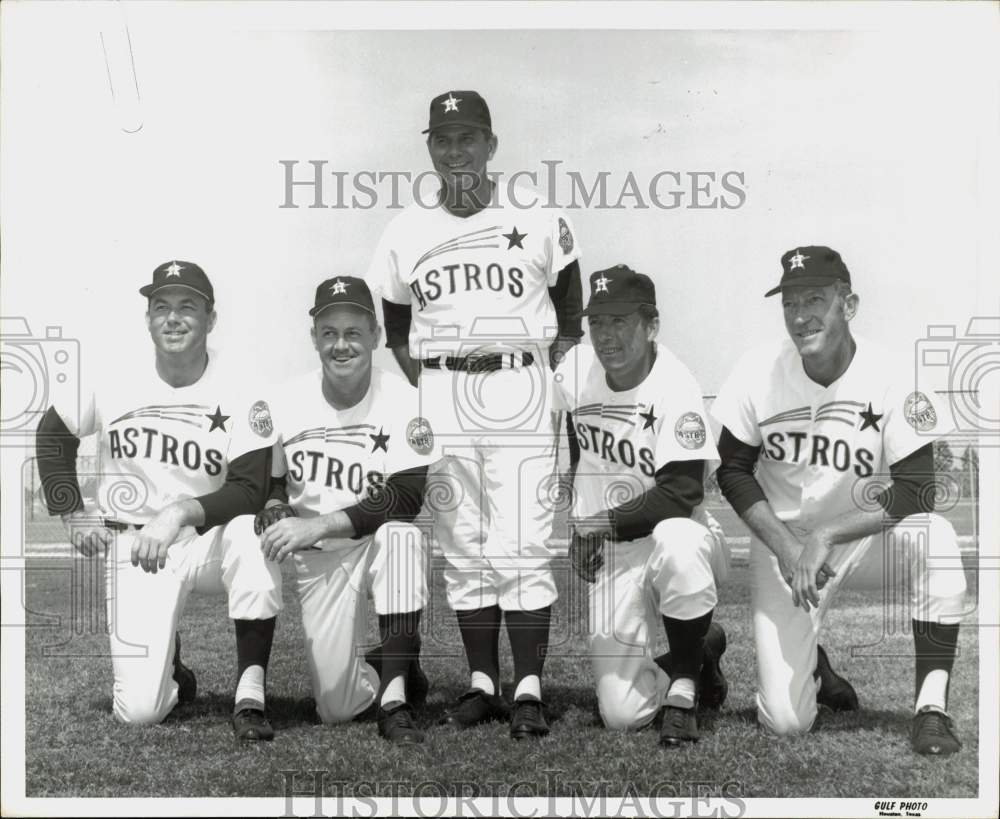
291, 535
270, 515
586, 555
149, 548
87, 533
812, 572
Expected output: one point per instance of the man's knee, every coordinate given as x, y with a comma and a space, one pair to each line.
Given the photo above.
142, 708
682, 544
620, 713
784, 720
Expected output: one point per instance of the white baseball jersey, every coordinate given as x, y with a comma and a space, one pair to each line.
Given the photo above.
333, 457
159, 444
625, 437
821, 446
483, 277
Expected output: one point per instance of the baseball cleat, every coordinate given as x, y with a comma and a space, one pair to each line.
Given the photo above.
679, 726
712, 685
475, 707
528, 719
187, 683
395, 723
835, 692
933, 732
251, 725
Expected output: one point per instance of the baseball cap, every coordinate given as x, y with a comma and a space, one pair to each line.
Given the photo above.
459, 108
618, 291
180, 274
814, 264
343, 290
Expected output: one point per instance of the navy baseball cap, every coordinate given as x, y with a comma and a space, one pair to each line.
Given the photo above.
459, 108
618, 291
814, 264
180, 274
343, 290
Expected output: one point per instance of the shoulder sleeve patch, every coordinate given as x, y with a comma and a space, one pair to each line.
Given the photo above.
565, 236
919, 412
259, 419
690, 431
420, 436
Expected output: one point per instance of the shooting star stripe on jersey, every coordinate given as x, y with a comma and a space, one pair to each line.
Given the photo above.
849, 422
168, 412
332, 435
797, 414
844, 404
463, 242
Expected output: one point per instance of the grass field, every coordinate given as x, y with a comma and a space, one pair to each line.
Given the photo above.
74, 747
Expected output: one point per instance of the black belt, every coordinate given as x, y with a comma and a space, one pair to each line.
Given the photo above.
119, 526
481, 363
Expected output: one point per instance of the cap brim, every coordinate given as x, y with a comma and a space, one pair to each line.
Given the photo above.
150, 289
802, 281
466, 122
315, 311
613, 308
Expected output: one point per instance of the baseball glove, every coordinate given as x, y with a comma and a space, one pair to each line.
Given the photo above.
271, 515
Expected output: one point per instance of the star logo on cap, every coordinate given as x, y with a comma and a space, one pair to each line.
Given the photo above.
514, 239
451, 104
601, 284
338, 287
174, 270
379, 441
797, 260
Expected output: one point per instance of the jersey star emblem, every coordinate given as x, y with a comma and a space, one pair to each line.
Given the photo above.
797, 260
338, 287
514, 239
451, 104
174, 270
379, 441
648, 417
218, 420
869, 418
601, 284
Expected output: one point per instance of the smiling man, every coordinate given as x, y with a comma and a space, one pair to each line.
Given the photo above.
350, 463
184, 465
480, 292
640, 536
813, 429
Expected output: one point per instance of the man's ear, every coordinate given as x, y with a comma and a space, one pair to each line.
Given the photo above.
653, 328
493, 146
851, 302
212, 318
312, 335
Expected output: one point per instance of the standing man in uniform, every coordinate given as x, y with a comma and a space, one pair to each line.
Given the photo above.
184, 466
640, 535
479, 293
351, 458
811, 429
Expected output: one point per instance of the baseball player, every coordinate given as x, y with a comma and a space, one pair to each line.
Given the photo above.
639, 533
351, 458
478, 293
812, 429
184, 465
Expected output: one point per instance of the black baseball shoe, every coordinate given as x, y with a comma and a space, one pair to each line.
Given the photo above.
187, 683
251, 725
933, 732
712, 685
835, 692
528, 719
395, 723
679, 726
475, 707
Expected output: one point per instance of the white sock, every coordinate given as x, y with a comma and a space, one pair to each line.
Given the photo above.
250, 690
529, 686
681, 693
932, 692
483, 682
395, 691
